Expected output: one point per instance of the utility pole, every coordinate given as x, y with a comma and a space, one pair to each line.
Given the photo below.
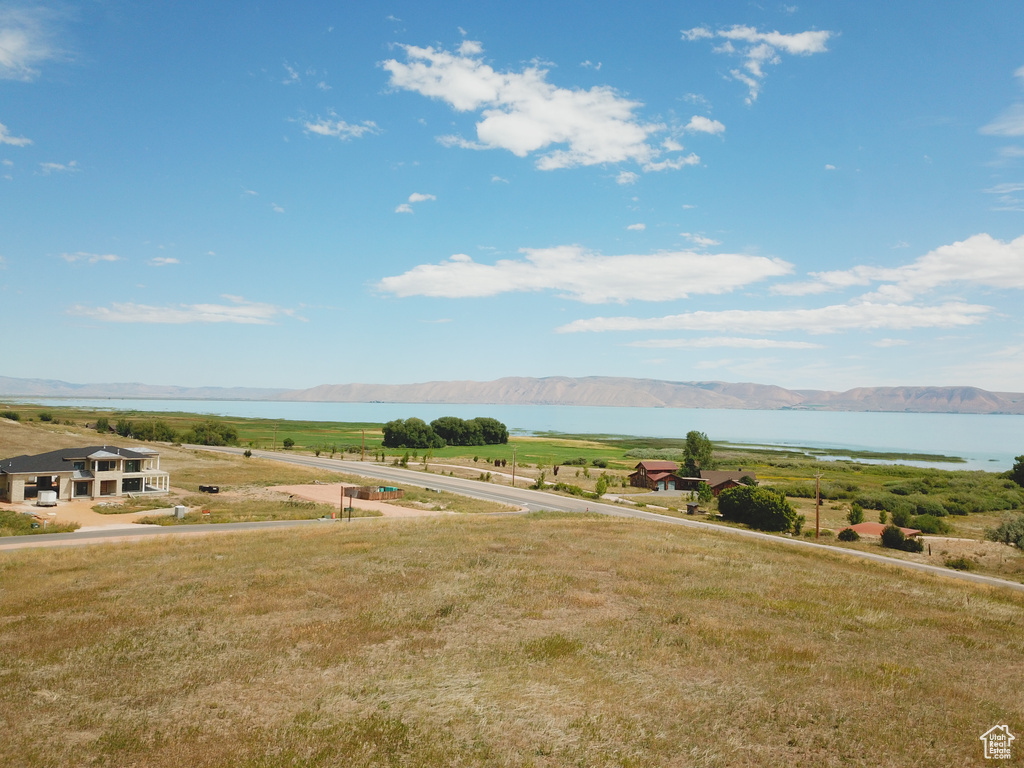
513, 466
817, 505
362, 456
275, 438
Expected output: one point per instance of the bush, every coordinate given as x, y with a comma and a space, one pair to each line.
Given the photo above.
930, 524
960, 563
288, 443
856, 515
600, 463
211, 432
1010, 532
758, 507
103, 425
893, 538
848, 534
45, 416
11, 415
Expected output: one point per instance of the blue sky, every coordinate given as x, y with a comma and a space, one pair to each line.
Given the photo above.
814, 195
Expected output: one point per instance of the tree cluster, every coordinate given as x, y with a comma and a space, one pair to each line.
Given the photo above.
758, 507
447, 430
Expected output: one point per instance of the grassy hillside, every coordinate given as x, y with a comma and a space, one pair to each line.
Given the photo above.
532, 641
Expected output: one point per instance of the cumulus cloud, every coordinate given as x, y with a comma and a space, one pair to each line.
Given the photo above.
276, 208
339, 129
415, 197
627, 177
25, 42
862, 316
592, 278
700, 124
717, 342
979, 260
88, 258
639, 227
237, 311
14, 141
525, 114
759, 49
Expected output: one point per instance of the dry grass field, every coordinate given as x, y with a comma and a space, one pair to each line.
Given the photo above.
539, 640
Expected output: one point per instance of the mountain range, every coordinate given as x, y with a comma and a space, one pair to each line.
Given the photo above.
562, 390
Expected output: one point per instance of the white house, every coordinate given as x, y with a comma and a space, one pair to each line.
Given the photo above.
83, 473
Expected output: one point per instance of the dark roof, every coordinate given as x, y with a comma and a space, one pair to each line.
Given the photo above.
715, 477
658, 466
60, 460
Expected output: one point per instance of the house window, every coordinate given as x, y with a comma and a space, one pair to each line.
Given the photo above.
106, 466
132, 465
80, 466
82, 489
131, 485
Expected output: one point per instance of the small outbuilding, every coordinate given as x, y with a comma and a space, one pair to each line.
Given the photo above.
661, 476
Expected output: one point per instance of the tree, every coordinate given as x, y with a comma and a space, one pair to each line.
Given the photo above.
456, 431
758, 507
211, 432
411, 433
602, 486
103, 425
1017, 473
704, 492
856, 514
288, 443
698, 453
494, 432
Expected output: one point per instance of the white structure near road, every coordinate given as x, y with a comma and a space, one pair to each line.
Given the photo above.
83, 473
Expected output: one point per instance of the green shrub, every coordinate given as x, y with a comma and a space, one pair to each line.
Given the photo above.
960, 564
759, 507
45, 416
288, 443
1010, 532
856, 514
600, 463
893, 537
848, 534
11, 415
930, 524
103, 425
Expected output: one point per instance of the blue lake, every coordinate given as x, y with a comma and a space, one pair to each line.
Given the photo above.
988, 442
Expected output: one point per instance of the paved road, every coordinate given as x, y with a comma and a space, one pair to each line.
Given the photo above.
520, 497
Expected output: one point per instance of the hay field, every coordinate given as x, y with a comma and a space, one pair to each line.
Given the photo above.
540, 640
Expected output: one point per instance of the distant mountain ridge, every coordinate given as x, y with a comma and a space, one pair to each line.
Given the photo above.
563, 390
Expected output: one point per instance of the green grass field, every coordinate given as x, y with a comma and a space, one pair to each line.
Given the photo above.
532, 641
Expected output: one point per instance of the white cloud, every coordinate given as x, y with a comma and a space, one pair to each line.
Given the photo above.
523, 113
758, 49
841, 317
14, 141
979, 260
323, 86
700, 124
292, 76
24, 42
238, 311
419, 197
700, 240
588, 64
250, 193
886, 343
1008, 199
1010, 123
48, 168
588, 277
276, 208
339, 129
404, 208
89, 258
627, 177
640, 227
717, 342
163, 261
498, 179
829, 167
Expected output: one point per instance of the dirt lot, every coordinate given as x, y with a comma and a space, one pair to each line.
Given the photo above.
331, 494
